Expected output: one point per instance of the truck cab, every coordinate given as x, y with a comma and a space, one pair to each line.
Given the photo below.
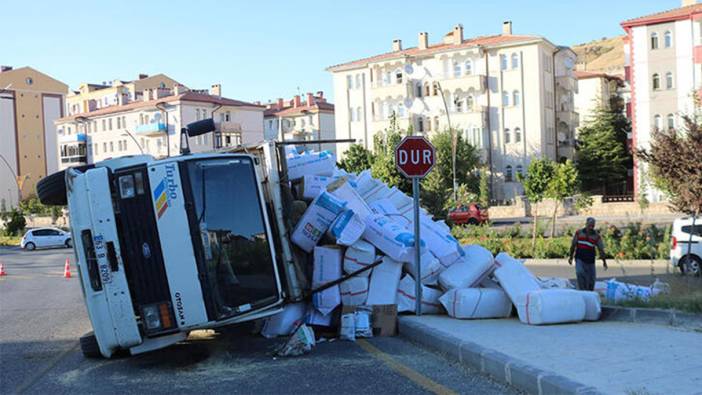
168, 246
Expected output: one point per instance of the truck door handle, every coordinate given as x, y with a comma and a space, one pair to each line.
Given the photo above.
112, 256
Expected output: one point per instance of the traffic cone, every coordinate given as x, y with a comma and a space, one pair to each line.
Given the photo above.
67, 269
2, 270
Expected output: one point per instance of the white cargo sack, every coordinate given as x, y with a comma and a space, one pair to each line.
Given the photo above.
391, 238
384, 282
429, 268
514, 278
384, 207
470, 270
343, 191
354, 291
490, 283
359, 255
551, 306
593, 308
366, 183
618, 291
347, 228
285, 322
407, 297
327, 267
554, 282
472, 303
316, 220
314, 317
312, 186
312, 163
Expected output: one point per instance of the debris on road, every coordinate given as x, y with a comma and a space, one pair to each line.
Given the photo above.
301, 342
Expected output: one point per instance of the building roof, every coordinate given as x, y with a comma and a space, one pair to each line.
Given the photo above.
665, 16
440, 47
187, 96
581, 75
42, 82
288, 111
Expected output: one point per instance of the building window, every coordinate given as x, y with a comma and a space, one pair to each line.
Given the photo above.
658, 122
104, 125
515, 60
671, 121
197, 114
470, 102
358, 81
398, 76
505, 98
352, 115
436, 123
95, 149
507, 136
656, 82
112, 147
420, 124
469, 67
668, 39
119, 145
419, 90
227, 116
669, 80
349, 82
456, 69
386, 110
427, 89
520, 170
508, 173
104, 147
517, 135
124, 122
654, 40
359, 115
503, 62
516, 98
459, 105
435, 85
119, 123
428, 124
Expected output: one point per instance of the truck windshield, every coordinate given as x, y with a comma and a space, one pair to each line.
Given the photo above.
236, 248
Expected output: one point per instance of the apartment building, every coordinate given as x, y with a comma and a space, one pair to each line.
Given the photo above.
91, 97
30, 101
297, 120
663, 65
596, 89
152, 124
510, 95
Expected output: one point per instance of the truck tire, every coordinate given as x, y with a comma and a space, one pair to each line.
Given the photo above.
51, 190
89, 346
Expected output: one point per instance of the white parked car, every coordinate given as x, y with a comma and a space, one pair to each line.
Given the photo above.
46, 237
685, 236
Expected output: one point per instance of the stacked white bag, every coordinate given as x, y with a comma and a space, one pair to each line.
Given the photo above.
471, 303
470, 270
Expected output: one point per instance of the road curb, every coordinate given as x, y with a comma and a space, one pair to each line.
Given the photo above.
644, 315
499, 366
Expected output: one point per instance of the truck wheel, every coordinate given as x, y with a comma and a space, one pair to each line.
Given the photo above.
473, 221
89, 346
51, 190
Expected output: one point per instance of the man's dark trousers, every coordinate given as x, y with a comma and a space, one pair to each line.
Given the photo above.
586, 274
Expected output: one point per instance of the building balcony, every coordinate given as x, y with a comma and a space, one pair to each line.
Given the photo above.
151, 129
391, 90
568, 83
466, 83
72, 138
571, 118
229, 127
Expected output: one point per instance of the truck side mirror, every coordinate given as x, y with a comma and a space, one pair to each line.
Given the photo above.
194, 129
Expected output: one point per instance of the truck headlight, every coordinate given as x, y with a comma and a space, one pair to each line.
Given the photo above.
157, 317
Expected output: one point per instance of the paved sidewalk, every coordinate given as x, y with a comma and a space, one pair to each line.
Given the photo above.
605, 357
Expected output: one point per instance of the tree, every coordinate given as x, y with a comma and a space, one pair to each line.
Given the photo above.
484, 188
383, 166
536, 184
14, 222
602, 158
437, 187
356, 159
564, 183
674, 161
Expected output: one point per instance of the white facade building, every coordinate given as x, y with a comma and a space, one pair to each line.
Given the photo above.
510, 95
595, 89
663, 64
153, 125
295, 120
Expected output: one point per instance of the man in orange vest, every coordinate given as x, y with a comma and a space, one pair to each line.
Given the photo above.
584, 243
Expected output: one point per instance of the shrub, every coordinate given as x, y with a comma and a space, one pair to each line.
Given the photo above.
15, 222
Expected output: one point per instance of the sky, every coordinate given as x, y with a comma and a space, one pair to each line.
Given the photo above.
261, 50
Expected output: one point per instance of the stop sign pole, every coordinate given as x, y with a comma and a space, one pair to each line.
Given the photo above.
414, 158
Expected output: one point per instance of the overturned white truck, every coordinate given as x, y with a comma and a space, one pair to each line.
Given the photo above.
164, 247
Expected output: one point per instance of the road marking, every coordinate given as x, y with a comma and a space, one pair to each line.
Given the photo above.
40, 374
414, 376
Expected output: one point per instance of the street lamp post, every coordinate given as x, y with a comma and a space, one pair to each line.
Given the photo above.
128, 133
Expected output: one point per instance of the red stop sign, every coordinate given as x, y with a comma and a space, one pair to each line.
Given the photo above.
415, 156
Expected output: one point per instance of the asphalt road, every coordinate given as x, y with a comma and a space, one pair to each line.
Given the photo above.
42, 315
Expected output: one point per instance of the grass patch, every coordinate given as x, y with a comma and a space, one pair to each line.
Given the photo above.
10, 240
690, 303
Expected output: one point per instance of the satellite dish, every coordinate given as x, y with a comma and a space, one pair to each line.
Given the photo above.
415, 72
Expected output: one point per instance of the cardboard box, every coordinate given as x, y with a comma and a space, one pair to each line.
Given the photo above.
327, 267
383, 320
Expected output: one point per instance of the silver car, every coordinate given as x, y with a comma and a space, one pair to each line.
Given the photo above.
45, 238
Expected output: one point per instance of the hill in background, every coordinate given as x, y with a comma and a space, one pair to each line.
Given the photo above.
605, 55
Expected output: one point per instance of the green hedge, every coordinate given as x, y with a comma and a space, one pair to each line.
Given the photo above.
629, 242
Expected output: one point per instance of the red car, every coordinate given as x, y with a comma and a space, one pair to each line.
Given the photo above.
471, 214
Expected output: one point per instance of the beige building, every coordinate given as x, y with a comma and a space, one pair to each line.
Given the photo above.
152, 124
91, 97
297, 120
595, 89
30, 101
510, 95
663, 65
